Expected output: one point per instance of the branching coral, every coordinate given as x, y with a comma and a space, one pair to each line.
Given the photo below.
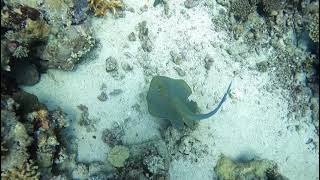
20, 52
100, 7
27, 171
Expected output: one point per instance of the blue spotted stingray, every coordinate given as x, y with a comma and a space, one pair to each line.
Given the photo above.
167, 98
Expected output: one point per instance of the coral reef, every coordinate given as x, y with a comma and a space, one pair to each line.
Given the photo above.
100, 7
4, 57
81, 171
24, 30
288, 77
20, 52
181, 145
32, 30
26, 171
30, 135
47, 142
241, 9
65, 48
148, 160
291, 29
15, 17
16, 137
58, 12
16, 3
52, 34
256, 169
270, 7
313, 28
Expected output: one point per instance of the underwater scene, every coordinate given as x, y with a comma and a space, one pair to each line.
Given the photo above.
160, 89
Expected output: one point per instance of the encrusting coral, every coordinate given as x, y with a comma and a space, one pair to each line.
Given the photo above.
100, 7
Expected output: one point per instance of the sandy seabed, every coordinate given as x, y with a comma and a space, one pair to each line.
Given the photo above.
252, 123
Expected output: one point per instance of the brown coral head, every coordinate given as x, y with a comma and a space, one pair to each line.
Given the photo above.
29, 12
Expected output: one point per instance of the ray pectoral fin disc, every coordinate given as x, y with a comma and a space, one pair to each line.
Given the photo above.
168, 98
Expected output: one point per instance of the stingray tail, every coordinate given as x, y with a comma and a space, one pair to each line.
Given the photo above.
215, 110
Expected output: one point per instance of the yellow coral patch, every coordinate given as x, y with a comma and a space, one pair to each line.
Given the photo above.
100, 7
43, 118
36, 29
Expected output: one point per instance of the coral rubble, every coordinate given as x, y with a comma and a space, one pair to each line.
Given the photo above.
145, 40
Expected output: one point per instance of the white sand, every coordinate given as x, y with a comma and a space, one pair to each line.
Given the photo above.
252, 124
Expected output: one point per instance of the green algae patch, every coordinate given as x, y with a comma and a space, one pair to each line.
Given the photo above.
118, 155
